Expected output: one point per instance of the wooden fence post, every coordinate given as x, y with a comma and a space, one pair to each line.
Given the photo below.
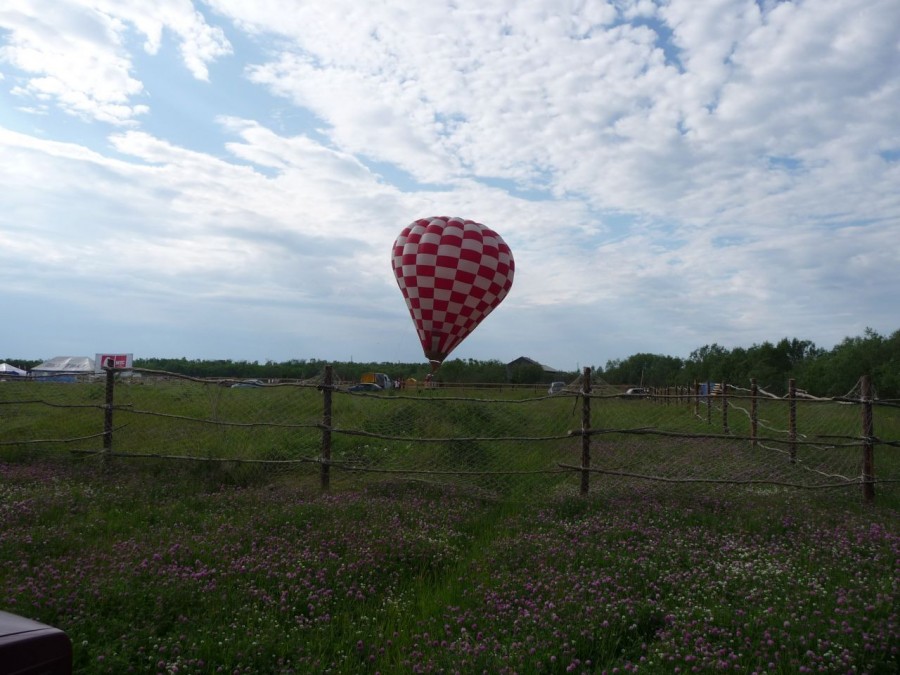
325, 455
708, 402
868, 433
792, 418
585, 427
696, 398
724, 407
754, 412
108, 410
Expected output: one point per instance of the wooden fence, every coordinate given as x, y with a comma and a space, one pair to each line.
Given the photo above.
668, 437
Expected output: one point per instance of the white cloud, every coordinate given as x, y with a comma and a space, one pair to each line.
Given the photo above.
74, 54
721, 171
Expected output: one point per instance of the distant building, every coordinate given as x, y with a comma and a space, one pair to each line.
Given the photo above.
528, 371
64, 369
8, 370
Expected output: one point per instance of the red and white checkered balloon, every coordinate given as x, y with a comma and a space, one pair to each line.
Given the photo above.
453, 273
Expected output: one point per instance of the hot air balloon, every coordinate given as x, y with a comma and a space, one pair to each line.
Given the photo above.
452, 272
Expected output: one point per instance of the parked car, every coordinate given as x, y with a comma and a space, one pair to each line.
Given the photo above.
365, 386
247, 383
31, 648
556, 387
636, 392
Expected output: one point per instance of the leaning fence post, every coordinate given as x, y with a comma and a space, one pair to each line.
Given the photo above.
754, 411
108, 410
792, 418
868, 433
325, 454
585, 428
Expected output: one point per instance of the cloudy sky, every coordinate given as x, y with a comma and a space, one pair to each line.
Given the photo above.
225, 179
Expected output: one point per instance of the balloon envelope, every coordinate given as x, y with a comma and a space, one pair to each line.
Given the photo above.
452, 272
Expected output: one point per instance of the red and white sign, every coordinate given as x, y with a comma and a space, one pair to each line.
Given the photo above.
117, 361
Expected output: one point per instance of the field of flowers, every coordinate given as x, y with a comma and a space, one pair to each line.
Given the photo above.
160, 573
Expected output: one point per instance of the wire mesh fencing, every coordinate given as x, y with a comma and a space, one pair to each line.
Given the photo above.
674, 443
500, 442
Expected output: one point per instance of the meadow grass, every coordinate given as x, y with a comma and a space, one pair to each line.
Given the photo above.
167, 575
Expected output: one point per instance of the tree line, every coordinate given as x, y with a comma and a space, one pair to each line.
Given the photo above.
465, 371
819, 371
822, 372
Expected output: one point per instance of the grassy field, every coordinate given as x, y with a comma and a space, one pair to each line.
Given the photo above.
161, 574
167, 566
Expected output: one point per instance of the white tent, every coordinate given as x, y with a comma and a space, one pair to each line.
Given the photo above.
7, 369
75, 365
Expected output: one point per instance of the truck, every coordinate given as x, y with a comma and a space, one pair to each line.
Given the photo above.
380, 379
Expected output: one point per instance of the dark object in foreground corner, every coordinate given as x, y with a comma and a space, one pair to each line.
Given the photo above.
31, 648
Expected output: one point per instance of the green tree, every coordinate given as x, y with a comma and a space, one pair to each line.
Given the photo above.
654, 370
